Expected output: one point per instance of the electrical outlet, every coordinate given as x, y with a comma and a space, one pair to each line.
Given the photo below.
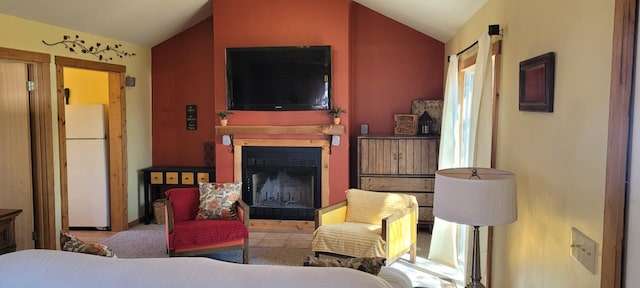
583, 249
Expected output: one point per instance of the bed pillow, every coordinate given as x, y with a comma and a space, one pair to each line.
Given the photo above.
70, 243
370, 265
218, 200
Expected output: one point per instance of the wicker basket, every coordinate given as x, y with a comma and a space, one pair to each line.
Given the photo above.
158, 211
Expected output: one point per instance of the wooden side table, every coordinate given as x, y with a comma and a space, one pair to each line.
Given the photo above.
8, 230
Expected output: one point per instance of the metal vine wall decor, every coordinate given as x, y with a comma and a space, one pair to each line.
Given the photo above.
98, 50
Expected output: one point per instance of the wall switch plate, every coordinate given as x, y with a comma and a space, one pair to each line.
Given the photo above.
583, 249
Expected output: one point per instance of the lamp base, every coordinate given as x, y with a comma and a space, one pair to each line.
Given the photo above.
475, 268
475, 285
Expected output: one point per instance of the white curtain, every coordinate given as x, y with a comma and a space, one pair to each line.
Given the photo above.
465, 138
449, 136
480, 130
443, 248
465, 141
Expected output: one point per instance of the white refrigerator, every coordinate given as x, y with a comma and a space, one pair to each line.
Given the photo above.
87, 166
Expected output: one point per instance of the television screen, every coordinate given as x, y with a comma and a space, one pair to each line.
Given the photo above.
279, 78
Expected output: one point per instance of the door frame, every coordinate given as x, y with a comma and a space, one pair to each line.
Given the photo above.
41, 143
118, 196
621, 94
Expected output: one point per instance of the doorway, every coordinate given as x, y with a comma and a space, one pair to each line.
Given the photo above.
41, 149
117, 159
632, 226
15, 175
86, 118
617, 170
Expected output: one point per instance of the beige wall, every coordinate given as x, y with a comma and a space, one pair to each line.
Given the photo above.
28, 35
559, 158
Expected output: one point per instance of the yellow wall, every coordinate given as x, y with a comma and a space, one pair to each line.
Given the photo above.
28, 35
559, 158
87, 86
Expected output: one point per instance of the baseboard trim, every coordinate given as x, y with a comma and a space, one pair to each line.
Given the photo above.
134, 223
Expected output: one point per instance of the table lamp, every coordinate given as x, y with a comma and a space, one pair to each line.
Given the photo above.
476, 197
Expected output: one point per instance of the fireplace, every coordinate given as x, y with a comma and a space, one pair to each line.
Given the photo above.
282, 183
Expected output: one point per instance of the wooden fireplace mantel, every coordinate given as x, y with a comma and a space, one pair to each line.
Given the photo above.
281, 129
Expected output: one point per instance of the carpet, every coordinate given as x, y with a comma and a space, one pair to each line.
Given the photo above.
148, 241
152, 244
138, 244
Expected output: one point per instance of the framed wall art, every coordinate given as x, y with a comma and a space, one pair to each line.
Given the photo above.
537, 83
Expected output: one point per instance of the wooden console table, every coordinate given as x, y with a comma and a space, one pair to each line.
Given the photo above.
8, 229
174, 177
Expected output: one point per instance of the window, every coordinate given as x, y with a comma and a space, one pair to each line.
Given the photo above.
466, 74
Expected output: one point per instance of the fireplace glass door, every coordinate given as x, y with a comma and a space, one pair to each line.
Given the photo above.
281, 182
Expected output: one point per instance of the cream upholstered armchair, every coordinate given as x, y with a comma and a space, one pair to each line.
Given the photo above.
368, 224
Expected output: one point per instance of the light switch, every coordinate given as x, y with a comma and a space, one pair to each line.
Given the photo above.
583, 249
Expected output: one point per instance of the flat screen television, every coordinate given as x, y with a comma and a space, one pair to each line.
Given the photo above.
279, 78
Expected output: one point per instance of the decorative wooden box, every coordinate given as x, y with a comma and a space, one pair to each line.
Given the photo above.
406, 124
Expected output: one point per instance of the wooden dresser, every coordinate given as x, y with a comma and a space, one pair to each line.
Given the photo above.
405, 164
8, 230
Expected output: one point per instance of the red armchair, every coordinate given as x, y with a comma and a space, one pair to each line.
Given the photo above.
187, 236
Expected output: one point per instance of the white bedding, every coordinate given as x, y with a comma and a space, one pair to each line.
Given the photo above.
48, 268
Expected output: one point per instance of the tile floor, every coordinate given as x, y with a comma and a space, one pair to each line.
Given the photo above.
280, 239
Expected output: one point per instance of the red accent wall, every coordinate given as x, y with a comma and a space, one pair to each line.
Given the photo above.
182, 73
392, 64
379, 66
239, 23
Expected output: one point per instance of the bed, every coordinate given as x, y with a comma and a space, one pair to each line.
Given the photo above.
50, 268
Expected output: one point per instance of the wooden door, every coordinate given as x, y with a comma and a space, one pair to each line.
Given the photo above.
417, 156
15, 150
379, 156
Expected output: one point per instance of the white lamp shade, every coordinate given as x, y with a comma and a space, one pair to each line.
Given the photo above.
488, 199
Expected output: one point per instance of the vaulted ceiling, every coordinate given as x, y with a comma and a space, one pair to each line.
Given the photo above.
149, 22
439, 19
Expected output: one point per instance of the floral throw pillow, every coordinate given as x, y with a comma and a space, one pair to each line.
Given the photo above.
70, 243
371, 265
218, 200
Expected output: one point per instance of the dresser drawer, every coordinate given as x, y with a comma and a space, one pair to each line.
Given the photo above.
397, 184
6, 239
203, 177
171, 177
7, 250
156, 177
424, 198
187, 178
